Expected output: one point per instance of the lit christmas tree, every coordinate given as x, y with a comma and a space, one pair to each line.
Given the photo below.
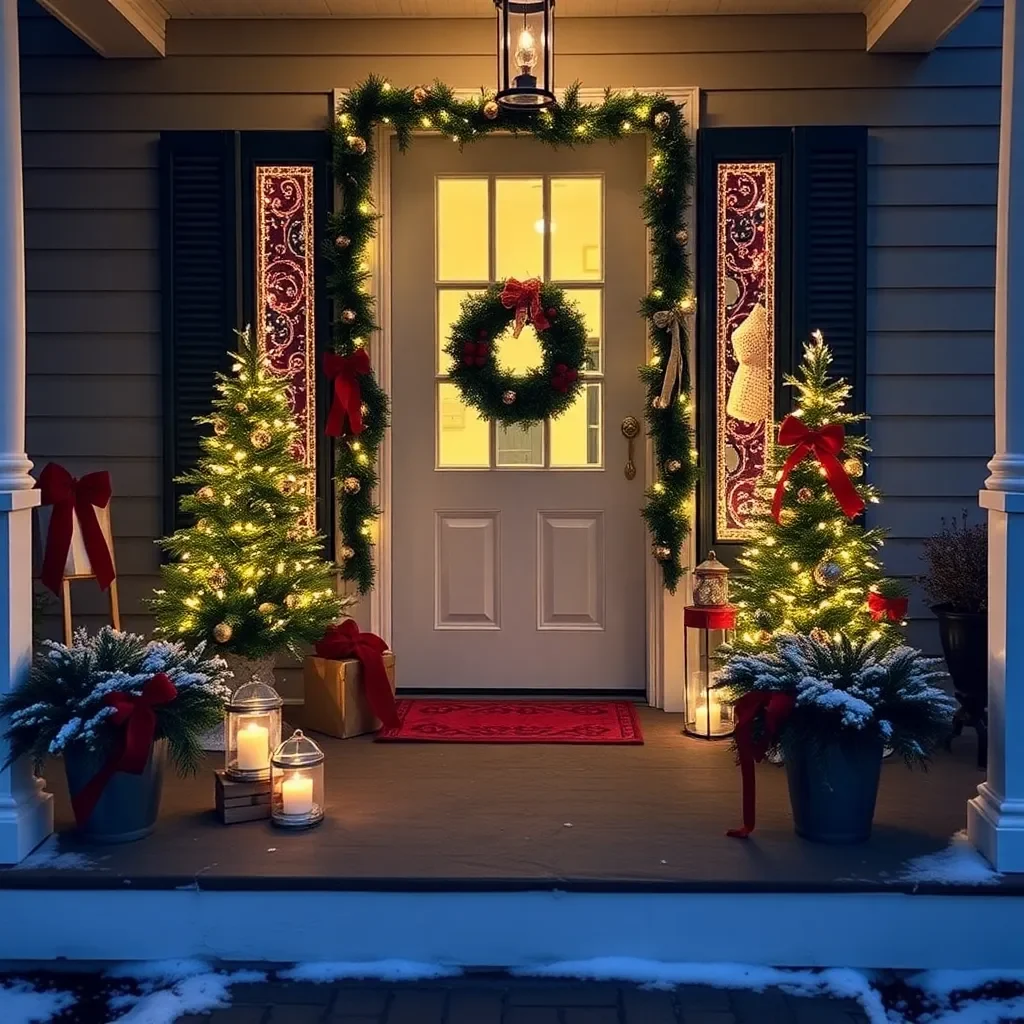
249, 574
811, 565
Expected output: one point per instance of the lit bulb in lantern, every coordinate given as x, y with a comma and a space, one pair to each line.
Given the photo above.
526, 51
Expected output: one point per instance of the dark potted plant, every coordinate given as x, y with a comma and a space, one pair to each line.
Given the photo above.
830, 705
956, 583
115, 707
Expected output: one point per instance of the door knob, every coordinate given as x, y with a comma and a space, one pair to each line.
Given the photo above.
630, 429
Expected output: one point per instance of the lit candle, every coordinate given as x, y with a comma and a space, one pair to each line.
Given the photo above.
297, 794
253, 747
709, 717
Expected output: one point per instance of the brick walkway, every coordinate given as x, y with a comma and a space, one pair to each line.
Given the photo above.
505, 1001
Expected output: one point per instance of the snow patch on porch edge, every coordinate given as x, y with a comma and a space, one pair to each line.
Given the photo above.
20, 1003
958, 864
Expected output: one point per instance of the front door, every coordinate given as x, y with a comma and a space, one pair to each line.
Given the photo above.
518, 553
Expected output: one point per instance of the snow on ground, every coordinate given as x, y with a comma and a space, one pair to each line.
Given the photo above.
20, 1003
958, 864
837, 982
382, 970
172, 988
48, 855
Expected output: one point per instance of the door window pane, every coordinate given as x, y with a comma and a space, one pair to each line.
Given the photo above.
462, 230
519, 355
449, 306
589, 302
576, 229
520, 444
576, 434
519, 227
464, 439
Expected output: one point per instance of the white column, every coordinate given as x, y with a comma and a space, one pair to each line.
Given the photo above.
26, 812
995, 817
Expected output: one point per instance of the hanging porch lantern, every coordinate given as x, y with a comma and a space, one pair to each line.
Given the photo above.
526, 57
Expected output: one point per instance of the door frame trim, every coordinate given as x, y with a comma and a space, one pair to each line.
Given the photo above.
664, 611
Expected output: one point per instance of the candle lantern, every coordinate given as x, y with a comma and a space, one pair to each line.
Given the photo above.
297, 783
253, 731
705, 713
711, 583
526, 58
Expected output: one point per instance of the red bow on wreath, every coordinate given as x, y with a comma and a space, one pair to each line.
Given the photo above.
137, 719
345, 371
773, 707
562, 378
345, 641
524, 297
891, 608
69, 497
474, 353
825, 444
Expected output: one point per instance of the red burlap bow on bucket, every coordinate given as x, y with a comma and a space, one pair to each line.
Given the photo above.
345, 641
69, 497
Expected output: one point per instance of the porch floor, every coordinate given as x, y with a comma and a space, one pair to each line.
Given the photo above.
478, 817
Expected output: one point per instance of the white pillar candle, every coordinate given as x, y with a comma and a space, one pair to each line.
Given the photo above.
297, 794
709, 717
253, 747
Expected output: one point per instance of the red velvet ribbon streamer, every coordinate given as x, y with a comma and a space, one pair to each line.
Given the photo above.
137, 718
775, 707
891, 608
825, 444
345, 641
524, 297
69, 496
345, 372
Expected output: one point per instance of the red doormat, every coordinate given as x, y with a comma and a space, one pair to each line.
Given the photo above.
515, 721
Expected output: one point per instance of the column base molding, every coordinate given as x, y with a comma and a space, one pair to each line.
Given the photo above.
996, 829
25, 822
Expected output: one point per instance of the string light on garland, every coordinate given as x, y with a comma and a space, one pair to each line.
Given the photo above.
571, 122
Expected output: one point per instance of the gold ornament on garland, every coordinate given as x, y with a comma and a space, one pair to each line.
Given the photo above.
241, 407
203, 525
854, 467
508, 397
345, 553
343, 241
661, 552
218, 577
260, 437
291, 601
222, 632
351, 485
673, 466
787, 517
419, 95
267, 608
805, 495
220, 427
206, 493
682, 236
356, 144
827, 573
491, 110
662, 120
348, 316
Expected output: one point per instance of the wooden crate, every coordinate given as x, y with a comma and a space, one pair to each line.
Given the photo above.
241, 801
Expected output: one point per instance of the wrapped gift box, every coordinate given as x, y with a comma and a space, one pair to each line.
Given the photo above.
335, 701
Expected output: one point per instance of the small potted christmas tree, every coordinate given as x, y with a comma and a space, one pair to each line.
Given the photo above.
248, 576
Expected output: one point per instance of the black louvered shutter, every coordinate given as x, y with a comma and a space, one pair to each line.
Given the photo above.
829, 247
200, 287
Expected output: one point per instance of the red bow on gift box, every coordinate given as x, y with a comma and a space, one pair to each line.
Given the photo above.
524, 297
345, 641
345, 371
69, 497
137, 719
563, 378
892, 608
774, 707
825, 444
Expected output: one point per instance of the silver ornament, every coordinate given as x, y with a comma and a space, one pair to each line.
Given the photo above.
827, 574
508, 397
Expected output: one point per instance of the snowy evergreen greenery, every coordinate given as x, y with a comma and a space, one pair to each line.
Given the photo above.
814, 568
63, 701
849, 691
248, 575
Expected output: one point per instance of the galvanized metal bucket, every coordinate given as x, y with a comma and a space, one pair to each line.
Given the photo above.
833, 790
128, 807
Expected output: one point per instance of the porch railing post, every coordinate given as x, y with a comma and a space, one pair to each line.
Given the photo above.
995, 817
26, 811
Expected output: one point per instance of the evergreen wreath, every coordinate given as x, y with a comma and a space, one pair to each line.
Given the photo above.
508, 397
570, 122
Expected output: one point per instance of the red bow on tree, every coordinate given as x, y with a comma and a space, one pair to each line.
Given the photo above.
891, 608
137, 719
345, 641
562, 378
69, 496
524, 297
474, 353
776, 708
345, 371
825, 444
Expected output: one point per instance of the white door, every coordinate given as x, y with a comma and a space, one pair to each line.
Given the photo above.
518, 554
